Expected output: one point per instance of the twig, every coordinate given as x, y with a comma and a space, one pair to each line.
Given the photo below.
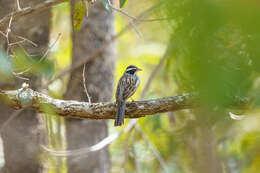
7, 122
50, 47
154, 72
136, 29
42, 58
25, 11
18, 5
20, 77
2, 33
154, 150
8, 30
134, 18
83, 151
29, 41
99, 50
84, 83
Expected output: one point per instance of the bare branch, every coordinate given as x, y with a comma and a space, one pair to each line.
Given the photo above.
29, 10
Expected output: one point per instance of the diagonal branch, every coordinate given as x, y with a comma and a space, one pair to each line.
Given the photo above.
28, 98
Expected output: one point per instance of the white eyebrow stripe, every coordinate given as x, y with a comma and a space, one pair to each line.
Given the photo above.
129, 69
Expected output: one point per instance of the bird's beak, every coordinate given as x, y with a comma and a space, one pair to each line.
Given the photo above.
139, 69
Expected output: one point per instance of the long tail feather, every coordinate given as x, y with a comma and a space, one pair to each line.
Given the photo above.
119, 121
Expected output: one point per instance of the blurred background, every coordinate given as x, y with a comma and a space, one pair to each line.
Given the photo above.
209, 47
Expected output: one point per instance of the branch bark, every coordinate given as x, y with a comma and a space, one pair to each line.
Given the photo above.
28, 98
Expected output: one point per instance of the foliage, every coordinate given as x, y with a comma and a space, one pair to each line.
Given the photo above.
80, 9
123, 3
214, 52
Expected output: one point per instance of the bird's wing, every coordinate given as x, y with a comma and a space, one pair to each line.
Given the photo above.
120, 88
132, 83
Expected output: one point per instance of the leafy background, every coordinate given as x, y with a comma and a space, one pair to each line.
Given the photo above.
213, 49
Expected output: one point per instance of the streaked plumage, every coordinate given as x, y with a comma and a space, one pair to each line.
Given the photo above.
126, 87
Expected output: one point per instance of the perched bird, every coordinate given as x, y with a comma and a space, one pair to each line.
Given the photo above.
126, 87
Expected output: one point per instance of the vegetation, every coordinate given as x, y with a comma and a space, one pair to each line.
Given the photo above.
206, 48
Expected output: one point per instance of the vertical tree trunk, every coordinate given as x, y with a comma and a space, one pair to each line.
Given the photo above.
97, 28
20, 139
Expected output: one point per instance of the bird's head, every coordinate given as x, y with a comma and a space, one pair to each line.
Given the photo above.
131, 69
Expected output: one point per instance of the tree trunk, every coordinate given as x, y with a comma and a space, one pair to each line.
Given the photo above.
20, 140
99, 75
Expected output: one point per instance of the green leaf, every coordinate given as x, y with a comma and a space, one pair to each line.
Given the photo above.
5, 66
106, 5
123, 3
78, 16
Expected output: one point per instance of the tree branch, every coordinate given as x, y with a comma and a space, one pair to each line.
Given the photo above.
28, 98
28, 10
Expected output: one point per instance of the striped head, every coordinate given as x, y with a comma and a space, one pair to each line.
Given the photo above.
131, 69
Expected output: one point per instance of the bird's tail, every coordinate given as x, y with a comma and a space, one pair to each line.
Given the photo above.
120, 113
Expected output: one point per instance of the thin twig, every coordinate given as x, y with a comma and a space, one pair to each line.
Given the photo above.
20, 77
100, 49
42, 58
7, 122
8, 30
83, 151
2, 33
50, 47
134, 18
29, 41
29, 10
136, 29
18, 5
154, 72
154, 150
84, 83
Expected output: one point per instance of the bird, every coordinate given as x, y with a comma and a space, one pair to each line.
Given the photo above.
126, 87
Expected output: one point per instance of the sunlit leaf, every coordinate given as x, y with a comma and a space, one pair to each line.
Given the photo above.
78, 15
123, 3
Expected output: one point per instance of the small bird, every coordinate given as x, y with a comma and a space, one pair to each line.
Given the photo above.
126, 87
